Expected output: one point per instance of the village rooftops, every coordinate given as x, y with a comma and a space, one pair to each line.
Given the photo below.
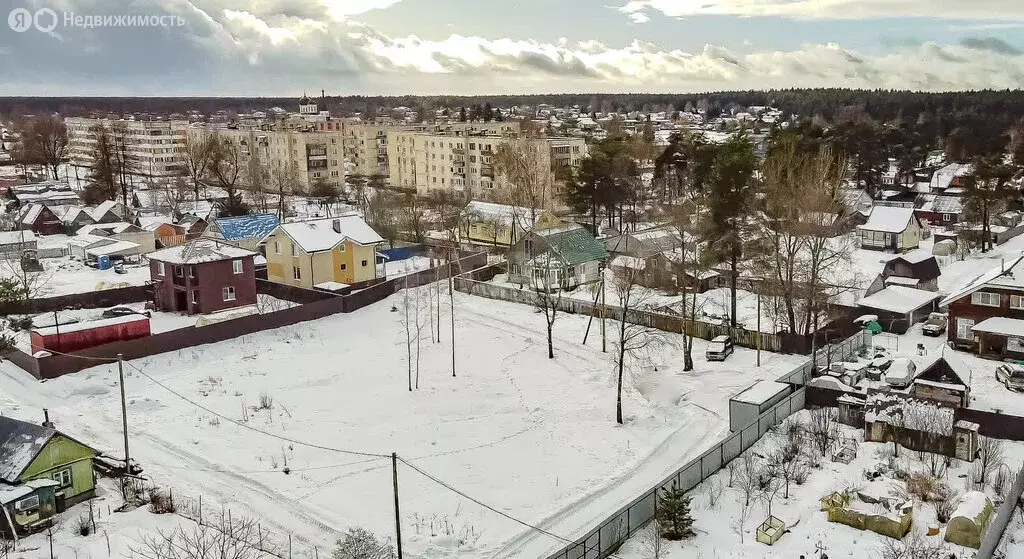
888, 219
898, 299
324, 234
502, 214
198, 251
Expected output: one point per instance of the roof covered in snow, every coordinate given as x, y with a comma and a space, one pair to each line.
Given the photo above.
324, 234
503, 214
90, 324
20, 443
1000, 325
16, 237
249, 226
761, 392
9, 494
198, 251
898, 299
106, 228
888, 219
1006, 274
75, 213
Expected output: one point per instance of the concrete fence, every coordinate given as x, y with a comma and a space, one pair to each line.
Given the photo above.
997, 527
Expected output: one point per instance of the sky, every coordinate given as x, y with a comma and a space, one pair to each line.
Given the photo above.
469, 47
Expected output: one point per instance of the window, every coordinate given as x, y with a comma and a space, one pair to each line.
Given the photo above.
985, 299
294, 252
364, 263
344, 267
62, 477
27, 504
963, 328
178, 272
296, 273
236, 266
229, 293
195, 297
1017, 301
160, 269
192, 271
277, 247
341, 247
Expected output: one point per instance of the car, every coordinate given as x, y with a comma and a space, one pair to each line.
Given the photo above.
113, 312
719, 348
119, 267
901, 372
1011, 375
935, 325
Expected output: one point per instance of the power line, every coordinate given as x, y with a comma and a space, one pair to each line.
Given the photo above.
250, 427
277, 471
486, 506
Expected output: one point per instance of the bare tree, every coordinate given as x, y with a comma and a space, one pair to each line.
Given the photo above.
198, 154
359, 543
524, 167
226, 168
284, 179
633, 339
990, 457
221, 538
257, 176
104, 170
739, 519
382, 213
45, 140
914, 546
786, 462
127, 166
747, 476
823, 429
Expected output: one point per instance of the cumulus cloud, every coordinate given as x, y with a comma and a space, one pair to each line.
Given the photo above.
835, 9
991, 44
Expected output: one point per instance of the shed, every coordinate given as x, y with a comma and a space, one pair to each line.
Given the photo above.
81, 335
968, 522
748, 405
898, 306
1000, 336
14, 242
28, 506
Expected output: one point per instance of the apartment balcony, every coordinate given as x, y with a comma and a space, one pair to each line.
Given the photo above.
486, 152
458, 151
487, 171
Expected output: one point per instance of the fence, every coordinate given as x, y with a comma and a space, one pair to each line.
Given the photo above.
602, 541
997, 526
89, 300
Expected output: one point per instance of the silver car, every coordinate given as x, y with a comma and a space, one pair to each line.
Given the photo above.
1011, 376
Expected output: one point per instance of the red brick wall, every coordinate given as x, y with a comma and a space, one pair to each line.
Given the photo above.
210, 279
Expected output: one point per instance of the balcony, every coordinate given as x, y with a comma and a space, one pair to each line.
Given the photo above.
487, 171
458, 151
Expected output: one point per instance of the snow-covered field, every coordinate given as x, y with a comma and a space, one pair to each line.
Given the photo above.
810, 533
63, 276
399, 268
532, 437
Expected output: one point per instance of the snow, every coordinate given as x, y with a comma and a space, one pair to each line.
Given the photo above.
9, 494
198, 251
628, 262
319, 234
898, 299
1000, 325
888, 219
113, 228
499, 213
521, 432
16, 237
906, 282
31, 214
760, 392
61, 276
916, 256
79, 326
399, 268
112, 248
991, 276
331, 285
972, 504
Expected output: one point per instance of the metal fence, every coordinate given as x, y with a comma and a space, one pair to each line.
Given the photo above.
996, 528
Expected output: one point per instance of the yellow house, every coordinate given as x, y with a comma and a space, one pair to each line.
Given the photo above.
501, 224
310, 253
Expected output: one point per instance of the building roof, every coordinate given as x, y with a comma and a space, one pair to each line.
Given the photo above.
250, 226
30, 213
75, 212
1001, 276
9, 494
16, 237
111, 248
324, 234
503, 214
20, 443
573, 243
1000, 325
90, 324
198, 251
106, 207
761, 392
898, 299
922, 264
888, 219
109, 228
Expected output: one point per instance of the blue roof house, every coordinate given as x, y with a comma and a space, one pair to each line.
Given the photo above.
244, 231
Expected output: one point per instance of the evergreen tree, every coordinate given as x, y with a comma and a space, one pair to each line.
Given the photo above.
987, 193
488, 112
674, 514
462, 114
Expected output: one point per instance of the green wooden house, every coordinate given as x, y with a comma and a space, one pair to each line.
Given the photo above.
42, 471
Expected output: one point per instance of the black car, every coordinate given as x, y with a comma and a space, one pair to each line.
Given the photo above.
113, 312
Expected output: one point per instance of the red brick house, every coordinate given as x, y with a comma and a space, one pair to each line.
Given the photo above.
987, 315
202, 276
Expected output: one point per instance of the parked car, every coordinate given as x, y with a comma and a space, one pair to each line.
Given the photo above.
1011, 376
935, 325
719, 348
901, 372
119, 267
121, 311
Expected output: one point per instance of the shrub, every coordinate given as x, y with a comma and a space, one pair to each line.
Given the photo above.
945, 507
161, 502
83, 526
266, 401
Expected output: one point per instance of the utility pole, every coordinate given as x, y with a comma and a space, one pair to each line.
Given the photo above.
56, 326
759, 325
451, 297
398, 518
124, 411
604, 341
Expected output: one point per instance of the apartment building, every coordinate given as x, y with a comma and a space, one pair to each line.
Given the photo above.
154, 148
315, 155
463, 161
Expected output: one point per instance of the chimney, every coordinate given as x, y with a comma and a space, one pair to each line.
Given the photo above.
323, 94
46, 418
337, 226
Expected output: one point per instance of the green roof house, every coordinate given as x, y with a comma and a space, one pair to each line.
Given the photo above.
563, 256
42, 471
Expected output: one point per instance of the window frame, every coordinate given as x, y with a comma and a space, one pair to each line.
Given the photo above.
237, 267
195, 296
228, 293
161, 270
968, 323
20, 507
59, 475
1020, 302
296, 273
976, 299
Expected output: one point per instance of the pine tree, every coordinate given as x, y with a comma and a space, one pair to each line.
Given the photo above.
462, 114
674, 514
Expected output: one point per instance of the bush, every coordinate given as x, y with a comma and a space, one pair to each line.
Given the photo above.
160, 502
83, 526
266, 401
358, 543
945, 507
927, 488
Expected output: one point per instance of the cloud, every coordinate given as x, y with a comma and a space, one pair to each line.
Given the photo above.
639, 17
835, 9
990, 44
279, 47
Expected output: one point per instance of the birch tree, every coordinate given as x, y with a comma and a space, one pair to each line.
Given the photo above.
633, 339
523, 167
197, 154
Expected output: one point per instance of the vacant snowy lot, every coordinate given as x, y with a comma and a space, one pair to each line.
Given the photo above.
532, 437
63, 276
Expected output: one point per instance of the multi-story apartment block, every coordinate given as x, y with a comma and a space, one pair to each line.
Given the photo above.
313, 155
154, 148
463, 161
